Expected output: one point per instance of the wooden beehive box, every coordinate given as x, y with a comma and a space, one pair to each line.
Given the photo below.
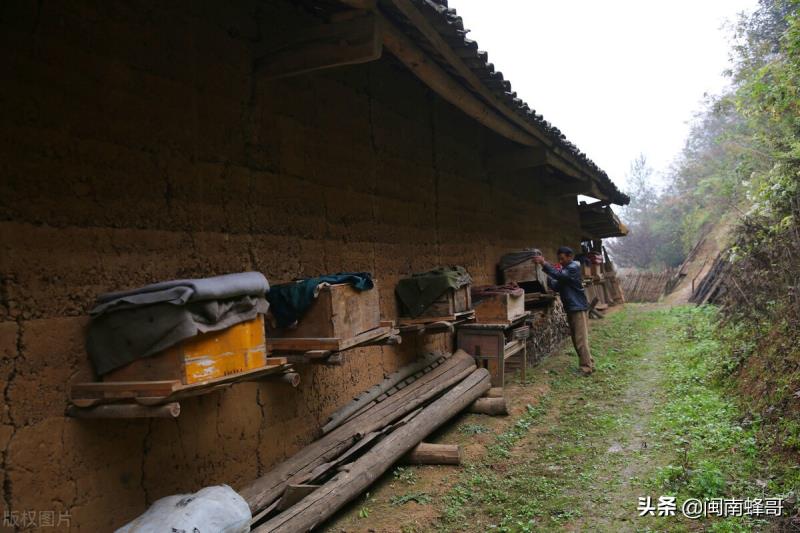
499, 308
207, 356
340, 311
449, 304
525, 274
525, 271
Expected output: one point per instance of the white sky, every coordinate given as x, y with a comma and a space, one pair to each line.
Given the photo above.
617, 77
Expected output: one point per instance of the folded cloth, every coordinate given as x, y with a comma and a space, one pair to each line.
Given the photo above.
129, 325
484, 291
179, 292
290, 301
421, 290
514, 258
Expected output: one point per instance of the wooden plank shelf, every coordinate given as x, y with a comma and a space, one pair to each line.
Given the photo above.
499, 325
331, 344
328, 350
425, 320
89, 395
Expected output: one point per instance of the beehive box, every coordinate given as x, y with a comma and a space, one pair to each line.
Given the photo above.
499, 308
204, 357
340, 311
525, 274
525, 271
452, 302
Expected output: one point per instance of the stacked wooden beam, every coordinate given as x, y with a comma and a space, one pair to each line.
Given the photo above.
644, 286
362, 441
712, 286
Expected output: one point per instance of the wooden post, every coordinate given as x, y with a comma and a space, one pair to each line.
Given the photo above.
426, 453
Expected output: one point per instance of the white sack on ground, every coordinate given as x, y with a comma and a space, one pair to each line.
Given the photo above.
217, 509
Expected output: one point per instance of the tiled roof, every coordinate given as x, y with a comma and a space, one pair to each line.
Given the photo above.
599, 221
451, 27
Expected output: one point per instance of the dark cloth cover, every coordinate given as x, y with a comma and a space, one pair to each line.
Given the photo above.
289, 301
181, 291
568, 282
129, 325
421, 290
484, 291
514, 258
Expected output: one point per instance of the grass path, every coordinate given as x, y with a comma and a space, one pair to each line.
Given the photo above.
576, 453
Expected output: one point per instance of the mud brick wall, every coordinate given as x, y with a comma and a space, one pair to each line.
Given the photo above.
136, 145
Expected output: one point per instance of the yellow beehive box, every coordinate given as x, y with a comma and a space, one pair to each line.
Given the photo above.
202, 358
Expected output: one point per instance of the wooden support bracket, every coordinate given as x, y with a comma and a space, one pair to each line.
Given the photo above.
126, 410
343, 42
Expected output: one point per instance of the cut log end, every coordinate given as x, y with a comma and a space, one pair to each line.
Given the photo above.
426, 453
489, 406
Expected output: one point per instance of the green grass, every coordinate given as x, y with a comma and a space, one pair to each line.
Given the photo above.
531, 490
422, 498
575, 459
715, 450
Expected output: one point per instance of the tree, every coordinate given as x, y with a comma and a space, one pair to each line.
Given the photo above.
639, 248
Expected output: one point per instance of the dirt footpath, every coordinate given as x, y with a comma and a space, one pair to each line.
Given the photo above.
571, 456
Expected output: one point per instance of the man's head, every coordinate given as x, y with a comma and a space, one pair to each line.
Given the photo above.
565, 255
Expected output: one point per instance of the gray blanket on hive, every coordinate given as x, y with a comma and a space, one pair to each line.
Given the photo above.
514, 258
129, 325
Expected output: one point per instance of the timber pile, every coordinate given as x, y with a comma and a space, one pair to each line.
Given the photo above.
549, 329
362, 441
641, 286
712, 286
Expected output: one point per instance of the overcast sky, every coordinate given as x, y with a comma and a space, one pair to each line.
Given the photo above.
617, 77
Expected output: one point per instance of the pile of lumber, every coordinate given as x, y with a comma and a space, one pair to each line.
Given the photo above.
644, 286
362, 440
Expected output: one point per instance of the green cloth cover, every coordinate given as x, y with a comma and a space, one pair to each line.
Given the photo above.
421, 290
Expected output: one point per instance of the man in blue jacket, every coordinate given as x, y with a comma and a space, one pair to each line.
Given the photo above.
568, 282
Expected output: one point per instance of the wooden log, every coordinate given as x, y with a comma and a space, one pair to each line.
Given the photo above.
296, 470
494, 392
126, 410
349, 483
426, 453
391, 380
290, 378
489, 406
293, 494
